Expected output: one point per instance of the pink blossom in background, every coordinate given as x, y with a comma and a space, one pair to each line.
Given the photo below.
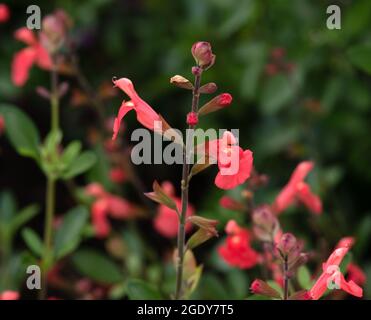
24, 59
298, 190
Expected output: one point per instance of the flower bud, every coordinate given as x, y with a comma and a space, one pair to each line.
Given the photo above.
208, 88
231, 204
203, 54
287, 244
43, 92
265, 223
219, 102
117, 175
181, 82
192, 118
2, 125
262, 288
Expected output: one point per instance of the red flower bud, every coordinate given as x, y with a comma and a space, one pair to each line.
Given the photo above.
192, 118
287, 244
262, 288
203, 54
219, 102
208, 88
196, 71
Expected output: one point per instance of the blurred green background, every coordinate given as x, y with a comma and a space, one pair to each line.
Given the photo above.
319, 110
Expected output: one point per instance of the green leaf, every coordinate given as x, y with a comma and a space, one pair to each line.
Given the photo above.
140, 290
33, 241
360, 55
21, 131
71, 152
7, 207
68, 236
96, 266
23, 216
304, 278
277, 92
81, 164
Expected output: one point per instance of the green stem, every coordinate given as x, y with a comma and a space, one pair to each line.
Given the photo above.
50, 191
184, 198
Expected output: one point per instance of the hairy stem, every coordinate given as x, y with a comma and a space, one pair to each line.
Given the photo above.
50, 191
185, 187
286, 278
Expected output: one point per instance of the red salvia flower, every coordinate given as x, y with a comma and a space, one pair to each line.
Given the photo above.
331, 273
236, 251
145, 114
298, 190
4, 13
235, 164
23, 60
117, 175
2, 125
166, 221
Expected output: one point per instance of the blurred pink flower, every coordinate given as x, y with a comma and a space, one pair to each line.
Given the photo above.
145, 114
298, 190
23, 60
166, 221
106, 205
4, 13
9, 295
117, 175
236, 251
2, 125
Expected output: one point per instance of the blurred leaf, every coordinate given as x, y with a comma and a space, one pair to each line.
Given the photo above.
363, 236
7, 207
81, 164
304, 277
140, 290
96, 266
360, 55
21, 131
23, 216
33, 241
237, 282
71, 152
68, 235
277, 92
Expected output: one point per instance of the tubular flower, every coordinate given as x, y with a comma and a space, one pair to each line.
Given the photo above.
235, 164
298, 190
332, 278
166, 221
236, 251
145, 114
108, 205
23, 60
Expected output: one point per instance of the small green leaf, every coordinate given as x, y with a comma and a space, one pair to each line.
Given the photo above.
304, 278
96, 266
71, 152
33, 241
7, 207
21, 131
68, 235
140, 290
80, 165
23, 216
158, 195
